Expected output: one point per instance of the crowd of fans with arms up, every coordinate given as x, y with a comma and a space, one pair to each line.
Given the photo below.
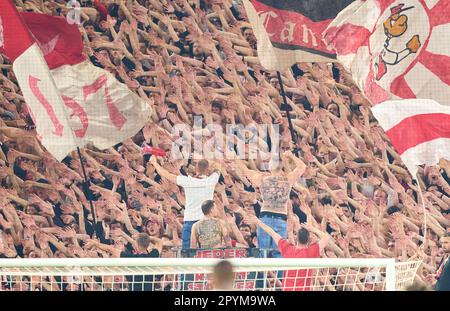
197, 58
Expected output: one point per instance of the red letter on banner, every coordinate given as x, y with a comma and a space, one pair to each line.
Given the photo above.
116, 116
79, 112
33, 81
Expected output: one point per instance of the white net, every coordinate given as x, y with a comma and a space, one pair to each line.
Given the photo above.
163, 274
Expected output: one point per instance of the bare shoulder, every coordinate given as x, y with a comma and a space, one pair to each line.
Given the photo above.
194, 226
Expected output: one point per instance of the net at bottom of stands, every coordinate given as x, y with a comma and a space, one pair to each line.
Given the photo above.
189, 274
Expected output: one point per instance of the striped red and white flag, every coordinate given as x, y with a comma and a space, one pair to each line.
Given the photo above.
418, 128
396, 49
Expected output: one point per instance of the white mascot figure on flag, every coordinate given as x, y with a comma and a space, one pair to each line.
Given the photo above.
398, 55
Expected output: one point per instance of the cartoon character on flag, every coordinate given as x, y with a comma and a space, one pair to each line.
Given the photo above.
394, 27
396, 49
398, 56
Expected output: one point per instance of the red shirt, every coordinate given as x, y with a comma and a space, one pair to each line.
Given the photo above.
297, 280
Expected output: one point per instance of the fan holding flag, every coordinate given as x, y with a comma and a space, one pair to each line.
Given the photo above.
87, 105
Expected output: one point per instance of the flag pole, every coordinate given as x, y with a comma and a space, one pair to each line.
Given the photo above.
124, 184
288, 114
87, 189
425, 213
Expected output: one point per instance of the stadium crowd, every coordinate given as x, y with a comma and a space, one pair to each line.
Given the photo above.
190, 58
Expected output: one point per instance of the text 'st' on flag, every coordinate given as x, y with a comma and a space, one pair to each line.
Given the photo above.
399, 49
289, 31
38, 87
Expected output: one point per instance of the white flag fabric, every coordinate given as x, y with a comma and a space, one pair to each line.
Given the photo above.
38, 87
102, 111
418, 128
399, 49
87, 105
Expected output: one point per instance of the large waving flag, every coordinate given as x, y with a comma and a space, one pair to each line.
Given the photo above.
399, 49
395, 48
36, 82
102, 111
418, 128
59, 41
99, 110
290, 31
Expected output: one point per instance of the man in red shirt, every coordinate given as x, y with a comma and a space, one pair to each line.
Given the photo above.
297, 280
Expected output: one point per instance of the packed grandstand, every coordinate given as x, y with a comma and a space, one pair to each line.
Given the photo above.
197, 59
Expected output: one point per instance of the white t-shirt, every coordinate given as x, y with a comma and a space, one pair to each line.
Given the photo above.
197, 191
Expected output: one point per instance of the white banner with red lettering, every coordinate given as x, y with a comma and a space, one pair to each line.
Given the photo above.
44, 102
102, 111
37, 84
86, 104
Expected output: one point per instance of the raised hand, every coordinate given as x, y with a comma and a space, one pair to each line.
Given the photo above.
251, 219
373, 181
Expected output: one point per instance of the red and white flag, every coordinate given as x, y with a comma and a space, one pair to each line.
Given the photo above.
418, 128
289, 32
397, 49
36, 82
99, 109
59, 41
102, 111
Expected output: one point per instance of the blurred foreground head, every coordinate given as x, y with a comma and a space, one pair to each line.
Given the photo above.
223, 276
418, 287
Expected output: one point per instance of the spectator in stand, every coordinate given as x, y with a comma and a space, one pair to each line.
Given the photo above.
248, 235
297, 280
198, 59
210, 231
443, 274
275, 189
197, 189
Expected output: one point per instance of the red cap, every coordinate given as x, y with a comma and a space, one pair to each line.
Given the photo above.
153, 151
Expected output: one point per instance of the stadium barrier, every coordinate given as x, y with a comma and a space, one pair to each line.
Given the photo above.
223, 253
147, 274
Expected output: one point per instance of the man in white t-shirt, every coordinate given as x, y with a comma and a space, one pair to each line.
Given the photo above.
197, 190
